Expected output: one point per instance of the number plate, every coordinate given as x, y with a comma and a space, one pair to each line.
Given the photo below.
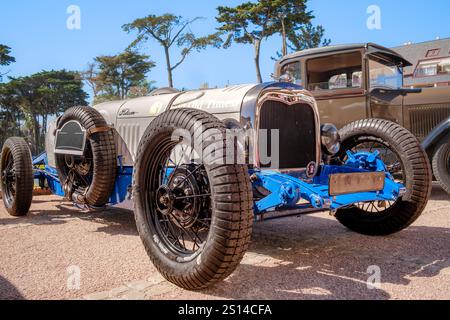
71, 139
345, 183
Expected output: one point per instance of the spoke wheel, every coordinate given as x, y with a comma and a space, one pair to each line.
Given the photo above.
79, 171
405, 160
182, 203
9, 179
441, 163
390, 158
194, 217
16, 176
89, 179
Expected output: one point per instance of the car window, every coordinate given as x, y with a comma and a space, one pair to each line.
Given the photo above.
384, 73
357, 79
293, 71
340, 71
338, 81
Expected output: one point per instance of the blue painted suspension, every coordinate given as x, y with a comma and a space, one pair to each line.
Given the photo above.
286, 191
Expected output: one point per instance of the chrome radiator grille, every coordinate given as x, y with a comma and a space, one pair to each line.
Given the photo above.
424, 118
297, 132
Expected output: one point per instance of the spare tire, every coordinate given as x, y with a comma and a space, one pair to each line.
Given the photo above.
89, 179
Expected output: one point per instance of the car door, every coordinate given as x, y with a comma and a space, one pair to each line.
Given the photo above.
337, 83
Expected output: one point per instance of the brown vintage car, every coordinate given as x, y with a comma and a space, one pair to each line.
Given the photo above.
361, 81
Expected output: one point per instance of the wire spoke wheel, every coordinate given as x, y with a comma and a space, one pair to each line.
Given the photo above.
9, 179
89, 179
441, 163
391, 160
182, 201
405, 160
79, 171
17, 179
194, 215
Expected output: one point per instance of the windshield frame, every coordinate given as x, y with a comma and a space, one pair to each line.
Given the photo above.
388, 64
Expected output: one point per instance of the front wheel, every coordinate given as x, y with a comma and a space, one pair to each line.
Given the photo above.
16, 176
193, 216
441, 164
404, 159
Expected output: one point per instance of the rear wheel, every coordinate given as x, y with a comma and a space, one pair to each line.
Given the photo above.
16, 176
404, 159
441, 164
194, 217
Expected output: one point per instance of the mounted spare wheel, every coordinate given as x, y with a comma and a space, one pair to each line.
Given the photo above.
85, 155
16, 176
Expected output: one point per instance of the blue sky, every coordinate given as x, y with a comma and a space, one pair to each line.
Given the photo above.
36, 31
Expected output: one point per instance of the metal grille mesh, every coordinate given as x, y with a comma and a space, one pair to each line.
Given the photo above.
297, 133
424, 118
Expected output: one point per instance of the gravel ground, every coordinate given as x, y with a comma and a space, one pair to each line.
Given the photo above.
310, 257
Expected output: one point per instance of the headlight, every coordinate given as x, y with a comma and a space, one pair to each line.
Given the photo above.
331, 141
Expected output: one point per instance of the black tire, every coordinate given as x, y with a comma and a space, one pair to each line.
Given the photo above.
104, 157
441, 163
17, 193
231, 206
416, 174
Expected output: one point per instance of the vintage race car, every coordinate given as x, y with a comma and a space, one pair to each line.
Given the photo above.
202, 165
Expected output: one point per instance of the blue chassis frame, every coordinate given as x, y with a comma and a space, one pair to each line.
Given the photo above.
286, 190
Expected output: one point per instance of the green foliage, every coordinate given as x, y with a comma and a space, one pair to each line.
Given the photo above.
254, 22
170, 30
11, 114
5, 58
117, 74
307, 37
31, 100
249, 23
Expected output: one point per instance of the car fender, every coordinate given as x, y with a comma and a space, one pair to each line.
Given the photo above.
436, 135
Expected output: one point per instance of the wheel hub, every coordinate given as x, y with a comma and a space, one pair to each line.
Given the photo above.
178, 199
165, 200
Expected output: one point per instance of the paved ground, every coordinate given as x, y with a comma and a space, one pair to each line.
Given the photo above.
311, 257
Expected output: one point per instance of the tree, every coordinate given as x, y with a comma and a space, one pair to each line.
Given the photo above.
142, 90
119, 76
307, 37
289, 16
11, 115
91, 79
45, 94
169, 31
249, 23
5, 58
253, 22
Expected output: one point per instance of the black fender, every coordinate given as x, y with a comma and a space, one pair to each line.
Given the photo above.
436, 135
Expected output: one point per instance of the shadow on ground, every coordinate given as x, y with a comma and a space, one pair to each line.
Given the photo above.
310, 257
8, 291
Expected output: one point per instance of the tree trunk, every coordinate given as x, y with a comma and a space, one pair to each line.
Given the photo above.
44, 124
257, 45
283, 36
36, 133
169, 66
